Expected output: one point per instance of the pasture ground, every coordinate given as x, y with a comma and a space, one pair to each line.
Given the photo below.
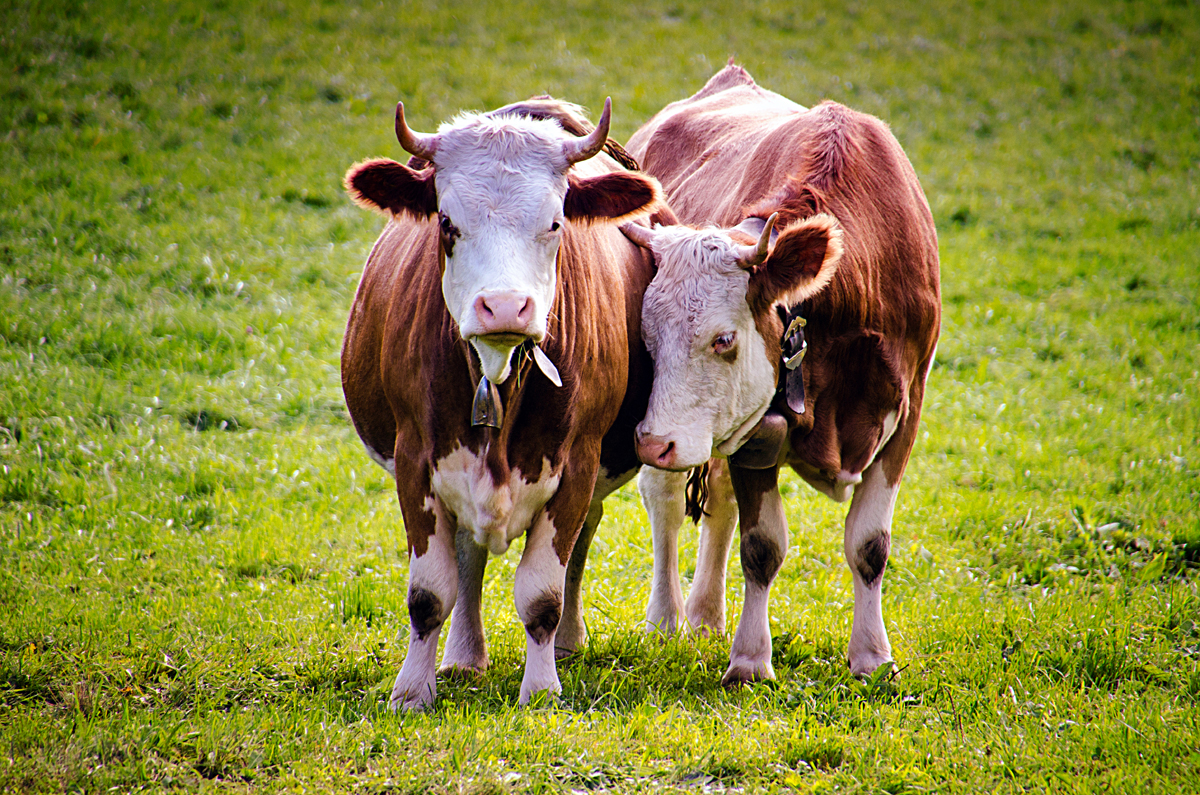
202, 576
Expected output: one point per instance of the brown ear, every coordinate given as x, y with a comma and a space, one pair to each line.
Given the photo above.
388, 187
801, 263
619, 196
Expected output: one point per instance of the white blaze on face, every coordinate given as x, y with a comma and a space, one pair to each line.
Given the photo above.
712, 378
501, 184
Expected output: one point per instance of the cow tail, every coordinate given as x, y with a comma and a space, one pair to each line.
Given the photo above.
696, 492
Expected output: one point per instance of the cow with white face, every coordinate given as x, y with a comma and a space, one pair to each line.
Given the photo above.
819, 235
492, 362
701, 315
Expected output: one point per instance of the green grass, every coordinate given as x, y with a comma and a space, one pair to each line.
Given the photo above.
202, 576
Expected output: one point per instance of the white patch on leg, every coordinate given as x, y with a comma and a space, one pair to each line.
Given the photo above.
705, 606
662, 495
387, 463
437, 573
539, 574
750, 655
869, 647
890, 421
869, 515
416, 684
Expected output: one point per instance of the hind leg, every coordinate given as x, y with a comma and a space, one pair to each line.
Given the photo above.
572, 631
868, 541
465, 648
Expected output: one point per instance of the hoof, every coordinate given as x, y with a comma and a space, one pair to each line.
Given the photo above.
705, 625
412, 694
539, 696
459, 672
409, 702
563, 654
865, 665
885, 671
707, 631
663, 628
741, 674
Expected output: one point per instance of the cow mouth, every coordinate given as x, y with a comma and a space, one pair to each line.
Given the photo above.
503, 339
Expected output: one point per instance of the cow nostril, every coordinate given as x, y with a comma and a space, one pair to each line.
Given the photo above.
526, 310
482, 309
668, 453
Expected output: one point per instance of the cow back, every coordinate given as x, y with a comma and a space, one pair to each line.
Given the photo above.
736, 150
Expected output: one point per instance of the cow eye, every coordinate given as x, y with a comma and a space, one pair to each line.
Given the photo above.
448, 227
723, 343
554, 227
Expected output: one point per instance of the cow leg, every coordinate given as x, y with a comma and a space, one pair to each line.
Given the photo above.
465, 648
537, 592
572, 632
867, 543
541, 574
763, 547
432, 589
662, 495
706, 599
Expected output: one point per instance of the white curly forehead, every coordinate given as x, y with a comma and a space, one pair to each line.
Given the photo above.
698, 277
683, 252
502, 139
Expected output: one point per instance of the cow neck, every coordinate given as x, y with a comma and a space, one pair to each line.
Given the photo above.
487, 407
791, 374
763, 445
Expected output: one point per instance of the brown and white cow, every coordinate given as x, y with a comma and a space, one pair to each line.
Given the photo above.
499, 275
817, 209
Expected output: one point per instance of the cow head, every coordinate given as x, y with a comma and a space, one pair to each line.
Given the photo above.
502, 188
704, 318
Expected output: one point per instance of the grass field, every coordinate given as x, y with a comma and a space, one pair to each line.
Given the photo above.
202, 576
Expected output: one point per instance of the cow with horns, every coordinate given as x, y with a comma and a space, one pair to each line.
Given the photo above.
492, 362
823, 242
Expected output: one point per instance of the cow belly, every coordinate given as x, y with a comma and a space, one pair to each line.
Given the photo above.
495, 513
840, 487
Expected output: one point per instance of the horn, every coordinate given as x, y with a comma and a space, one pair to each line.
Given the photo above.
422, 145
641, 235
579, 149
753, 256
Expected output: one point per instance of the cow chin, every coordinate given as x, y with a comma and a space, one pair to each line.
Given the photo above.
738, 438
495, 354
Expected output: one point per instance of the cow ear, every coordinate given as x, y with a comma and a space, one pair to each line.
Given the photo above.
390, 188
801, 263
619, 196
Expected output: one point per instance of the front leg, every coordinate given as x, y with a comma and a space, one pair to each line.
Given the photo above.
432, 586
763, 548
662, 495
466, 651
541, 574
